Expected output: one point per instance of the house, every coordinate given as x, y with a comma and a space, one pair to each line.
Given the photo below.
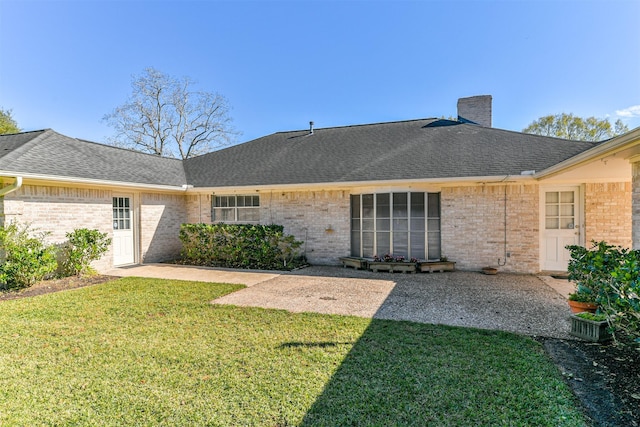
422, 188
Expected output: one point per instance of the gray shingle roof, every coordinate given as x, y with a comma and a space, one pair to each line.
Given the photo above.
47, 152
406, 150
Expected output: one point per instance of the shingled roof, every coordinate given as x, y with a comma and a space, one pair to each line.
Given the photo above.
405, 150
426, 149
48, 153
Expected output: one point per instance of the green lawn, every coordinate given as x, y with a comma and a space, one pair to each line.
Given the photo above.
155, 352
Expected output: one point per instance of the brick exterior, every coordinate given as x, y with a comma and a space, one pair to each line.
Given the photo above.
160, 219
319, 218
473, 226
59, 210
608, 213
635, 212
472, 219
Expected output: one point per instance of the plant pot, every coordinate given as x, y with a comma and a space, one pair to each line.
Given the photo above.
490, 270
354, 262
580, 307
431, 266
590, 330
392, 267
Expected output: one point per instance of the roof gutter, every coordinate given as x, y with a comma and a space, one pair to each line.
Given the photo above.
92, 182
11, 188
341, 185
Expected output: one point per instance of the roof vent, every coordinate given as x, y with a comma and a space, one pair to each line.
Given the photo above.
310, 128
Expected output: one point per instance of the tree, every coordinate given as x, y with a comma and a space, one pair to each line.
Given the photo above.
164, 116
568, 126
7, 123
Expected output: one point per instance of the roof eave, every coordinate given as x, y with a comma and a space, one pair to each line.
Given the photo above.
614, 145
440, 182
36, 178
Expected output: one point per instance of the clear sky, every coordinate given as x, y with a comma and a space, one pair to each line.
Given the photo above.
281, 64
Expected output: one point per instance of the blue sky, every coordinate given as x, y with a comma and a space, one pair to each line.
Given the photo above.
280, 64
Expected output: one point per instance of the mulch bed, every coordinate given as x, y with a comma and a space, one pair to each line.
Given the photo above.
604, 377
48, 286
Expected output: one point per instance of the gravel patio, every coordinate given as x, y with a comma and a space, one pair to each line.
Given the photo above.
523, 304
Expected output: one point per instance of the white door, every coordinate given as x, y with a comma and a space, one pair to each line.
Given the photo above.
561, 224
122, 231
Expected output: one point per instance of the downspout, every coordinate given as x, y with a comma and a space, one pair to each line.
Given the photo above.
11, 188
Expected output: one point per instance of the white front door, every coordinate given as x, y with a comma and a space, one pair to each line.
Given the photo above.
122, 231
561, 225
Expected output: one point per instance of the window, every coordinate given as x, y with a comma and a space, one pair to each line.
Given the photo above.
236, 209
121, 213
559, 210
406, 224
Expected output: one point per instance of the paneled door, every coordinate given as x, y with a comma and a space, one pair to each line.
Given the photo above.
122, 231
561, 225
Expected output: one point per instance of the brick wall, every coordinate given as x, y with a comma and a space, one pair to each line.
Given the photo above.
473, 226
160, 219
319, 218
608, 213
59, 210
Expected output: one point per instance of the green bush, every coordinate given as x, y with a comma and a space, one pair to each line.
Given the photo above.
610, 277
589, 269
24, 257
83, 246
263, 247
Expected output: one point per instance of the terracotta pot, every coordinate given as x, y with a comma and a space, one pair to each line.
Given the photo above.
580, 307
490, 270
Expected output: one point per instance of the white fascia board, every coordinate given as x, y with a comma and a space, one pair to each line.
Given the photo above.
90, 182
443, 182
614, 145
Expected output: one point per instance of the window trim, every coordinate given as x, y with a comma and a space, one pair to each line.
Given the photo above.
235, 208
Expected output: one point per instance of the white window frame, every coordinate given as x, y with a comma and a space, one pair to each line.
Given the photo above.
236, 207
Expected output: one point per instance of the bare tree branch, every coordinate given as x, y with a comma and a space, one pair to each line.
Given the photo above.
164, 117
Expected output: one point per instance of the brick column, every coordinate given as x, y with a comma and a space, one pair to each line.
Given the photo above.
635, 201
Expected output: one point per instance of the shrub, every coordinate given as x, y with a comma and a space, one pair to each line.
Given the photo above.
25, 258
589, 269
610, 277
263, 247
83, 247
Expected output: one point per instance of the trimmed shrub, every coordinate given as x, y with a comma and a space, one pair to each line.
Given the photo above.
24, 257
263, 247
83, 247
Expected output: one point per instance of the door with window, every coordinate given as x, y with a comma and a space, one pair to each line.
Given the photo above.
122, 231
561, 226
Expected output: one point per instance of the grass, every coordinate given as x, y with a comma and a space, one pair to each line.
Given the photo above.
155, 352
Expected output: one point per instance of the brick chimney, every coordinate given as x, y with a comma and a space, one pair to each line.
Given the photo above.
476, 110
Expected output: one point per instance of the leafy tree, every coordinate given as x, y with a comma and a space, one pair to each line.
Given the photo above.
568, 126
164, 116
7, 123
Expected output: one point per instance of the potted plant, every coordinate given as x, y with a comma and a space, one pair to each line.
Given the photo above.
582, 302
590, 326
392, 264
589, 269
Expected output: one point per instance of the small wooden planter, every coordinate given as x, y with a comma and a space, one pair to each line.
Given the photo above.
354, 262
441, 266
590, 330
392, 267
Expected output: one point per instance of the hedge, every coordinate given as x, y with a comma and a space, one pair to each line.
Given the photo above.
250, 246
